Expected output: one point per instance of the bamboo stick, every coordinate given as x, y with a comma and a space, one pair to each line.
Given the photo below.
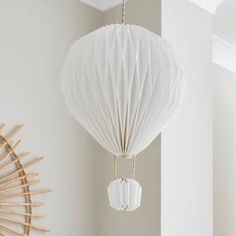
13, 132
11, 230
36, 227
21, 169
26, 193
11, 174
33, 162
3, 144
11, 181
19, 187
21, 213
10, 151
35, 204
2, 126
20, 157
6, 185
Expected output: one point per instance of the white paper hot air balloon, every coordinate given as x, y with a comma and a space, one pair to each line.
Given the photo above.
123, 84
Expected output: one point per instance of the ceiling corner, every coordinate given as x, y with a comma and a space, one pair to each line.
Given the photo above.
102, 5
207, 5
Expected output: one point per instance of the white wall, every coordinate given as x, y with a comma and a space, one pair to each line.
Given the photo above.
34, 39
224, 152
187, 142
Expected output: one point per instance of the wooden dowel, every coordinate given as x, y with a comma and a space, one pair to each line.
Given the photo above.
21, 169
36, 227
26, 193
13, 132
10, 151
33, 162
19, 187
35, 204
11, 174
20, 157
11, 181
20, 213
3, 144
11, 230
11, 188
39, 228
1, 126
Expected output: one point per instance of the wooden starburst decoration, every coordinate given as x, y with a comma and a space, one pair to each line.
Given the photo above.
16, 203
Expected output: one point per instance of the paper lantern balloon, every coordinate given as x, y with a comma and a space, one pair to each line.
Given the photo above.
123, 84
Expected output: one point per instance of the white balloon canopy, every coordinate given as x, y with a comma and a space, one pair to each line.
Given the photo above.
123, 84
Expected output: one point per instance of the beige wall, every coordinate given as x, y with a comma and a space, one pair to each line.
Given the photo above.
34, 40
146, 220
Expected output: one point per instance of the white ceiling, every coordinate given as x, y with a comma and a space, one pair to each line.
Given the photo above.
208, 5
102, 5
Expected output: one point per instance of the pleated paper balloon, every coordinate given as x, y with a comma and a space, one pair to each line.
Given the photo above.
123, 84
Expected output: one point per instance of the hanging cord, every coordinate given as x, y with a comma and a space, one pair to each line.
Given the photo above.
115, 166
123, 11
134, 166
